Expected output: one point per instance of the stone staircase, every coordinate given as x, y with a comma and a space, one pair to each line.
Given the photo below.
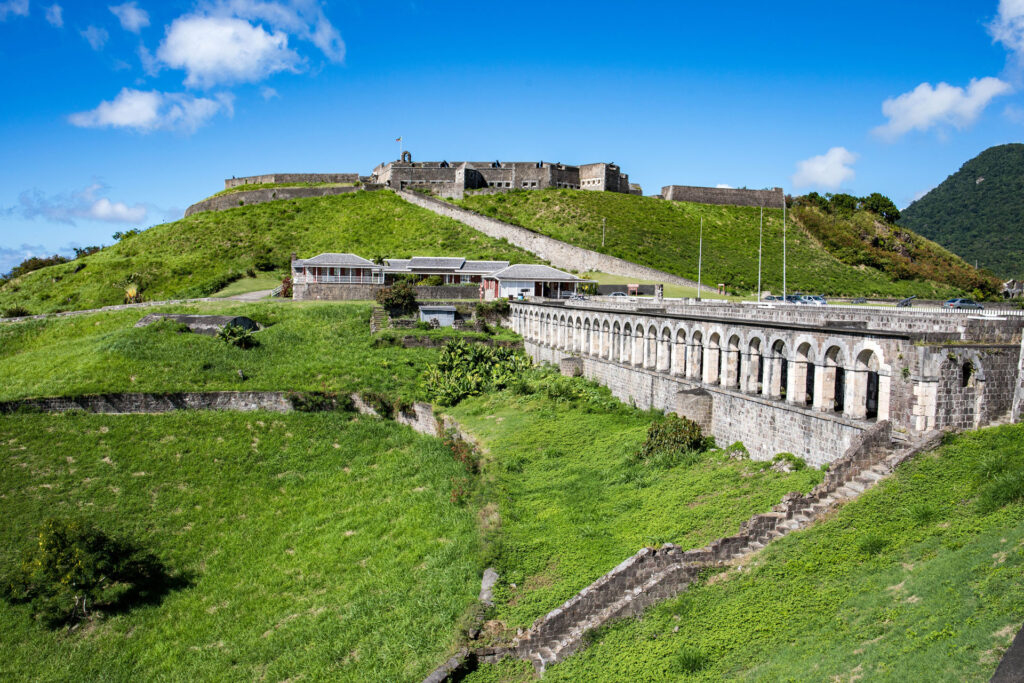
378, 319
653, 575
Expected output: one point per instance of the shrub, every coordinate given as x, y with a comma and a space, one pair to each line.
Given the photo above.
470, 369
379, 402
399, 297
286, 287
689, 660
492, 310
795, 462
432, 281
132, 294
73, 568
463, 451
872, 544
264, 263
236, 335
17, 312
424, 325
672, 440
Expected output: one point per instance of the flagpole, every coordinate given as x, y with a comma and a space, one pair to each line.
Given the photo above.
760, 243
783, 248
700, 256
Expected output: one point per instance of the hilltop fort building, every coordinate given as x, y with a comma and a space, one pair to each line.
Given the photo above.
453, 178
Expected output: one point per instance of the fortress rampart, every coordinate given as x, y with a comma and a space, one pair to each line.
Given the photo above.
233, 200
276, 178
725, 196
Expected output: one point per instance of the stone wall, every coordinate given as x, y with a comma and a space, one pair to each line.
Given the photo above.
292, 178
724, 196
138, 403
1018, 394
558, 254
766, 427
337, 292
233, 200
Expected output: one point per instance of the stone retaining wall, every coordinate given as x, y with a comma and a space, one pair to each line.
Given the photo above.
140, 403
274, 178
233, 200
558, 254
338, 292
724, 196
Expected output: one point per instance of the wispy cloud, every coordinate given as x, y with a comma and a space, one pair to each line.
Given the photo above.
86, 204
131, 17
18, 8
55, 16
1008, 26
827, 171
927, 107
96, 37
147, 111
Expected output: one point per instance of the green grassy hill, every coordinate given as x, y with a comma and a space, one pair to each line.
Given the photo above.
978, 212
846, 256
199, 255
921, 578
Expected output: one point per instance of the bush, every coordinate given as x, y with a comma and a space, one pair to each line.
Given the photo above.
872, 544
319, 401
265, 263
470, 369
379, 402
286, 288
73, 568
432, 281
17, 312
492, 310
796, 463
689, 660
236, 335
671, 441
399, 297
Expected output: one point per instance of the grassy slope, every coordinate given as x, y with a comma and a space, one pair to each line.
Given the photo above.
264, 186
943, 595
572, 508
318, 546
307, 346
199, 255
665, 235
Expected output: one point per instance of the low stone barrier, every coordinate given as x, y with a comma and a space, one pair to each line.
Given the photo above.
233, 200
143, 403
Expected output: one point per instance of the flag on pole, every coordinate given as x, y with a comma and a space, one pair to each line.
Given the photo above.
398, 139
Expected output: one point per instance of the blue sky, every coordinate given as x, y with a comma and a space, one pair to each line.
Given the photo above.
119, 115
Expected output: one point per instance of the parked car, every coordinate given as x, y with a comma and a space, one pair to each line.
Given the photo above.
813, 300
860, 300
771, 297
619, 295
793, 298
970, 304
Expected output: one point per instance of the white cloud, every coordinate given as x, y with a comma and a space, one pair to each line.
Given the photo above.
215, 50
150, 64
18, 8
302, 18
82, 204
131, 17
55, 16
97, 37
723, 186
148, 111
1008, 26
268, 93
925, 106
828, 171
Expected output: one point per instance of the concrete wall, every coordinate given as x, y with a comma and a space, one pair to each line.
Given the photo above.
292, 178
558, 254
333, 292
724, 196
765, 427
233, 200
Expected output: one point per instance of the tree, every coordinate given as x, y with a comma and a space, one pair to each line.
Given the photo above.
400, 296
881, 205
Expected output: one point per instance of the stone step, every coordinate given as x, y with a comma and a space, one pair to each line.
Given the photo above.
869, 475
855, 486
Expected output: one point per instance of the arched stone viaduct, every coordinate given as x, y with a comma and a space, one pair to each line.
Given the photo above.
786, 379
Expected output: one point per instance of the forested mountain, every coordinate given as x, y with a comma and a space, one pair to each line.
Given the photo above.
978, 212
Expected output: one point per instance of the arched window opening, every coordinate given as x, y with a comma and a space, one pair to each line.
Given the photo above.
679, 362
967, 375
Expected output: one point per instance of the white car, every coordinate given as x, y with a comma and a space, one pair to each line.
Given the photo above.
619, 295
813, 300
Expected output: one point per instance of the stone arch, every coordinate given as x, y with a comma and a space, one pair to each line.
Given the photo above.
696, 369
778, 371
665, 350
627, 344
801, 380
679, 353
755, 366
862, 387
616, 341
606, 340
406, 157
587, 341
732, 363
638, 345
713, 360
651, 347
831, 390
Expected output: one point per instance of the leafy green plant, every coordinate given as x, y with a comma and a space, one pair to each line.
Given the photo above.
16, 312
796, 462
689, 660
470, 369
319, 401
672, 441
379, 402
872, 543
239, 336
399, 297
73, 569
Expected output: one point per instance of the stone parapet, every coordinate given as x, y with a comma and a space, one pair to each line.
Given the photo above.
233, 200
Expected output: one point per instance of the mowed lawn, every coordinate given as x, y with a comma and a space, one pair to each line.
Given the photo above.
316, 546
310, 346
572, 505
914, 581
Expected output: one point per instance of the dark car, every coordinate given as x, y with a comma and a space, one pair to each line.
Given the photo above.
969, 304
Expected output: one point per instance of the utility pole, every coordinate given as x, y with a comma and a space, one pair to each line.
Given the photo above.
604, 224
783, 247
700, 256
760, 243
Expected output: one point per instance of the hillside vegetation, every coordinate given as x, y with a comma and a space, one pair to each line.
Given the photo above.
978, 211
852, 255
199, 255
315, 546
923, 574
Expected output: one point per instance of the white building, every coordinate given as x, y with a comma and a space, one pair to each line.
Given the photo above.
529, 280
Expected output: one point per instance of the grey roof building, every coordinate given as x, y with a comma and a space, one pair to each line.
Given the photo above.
335, 260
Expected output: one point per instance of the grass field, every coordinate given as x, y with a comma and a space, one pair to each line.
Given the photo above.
251, 284
314, 545
314, 346
665, 235
572, 507
913, 581
202, 254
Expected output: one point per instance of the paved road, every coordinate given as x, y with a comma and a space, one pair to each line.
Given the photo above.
251, 296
